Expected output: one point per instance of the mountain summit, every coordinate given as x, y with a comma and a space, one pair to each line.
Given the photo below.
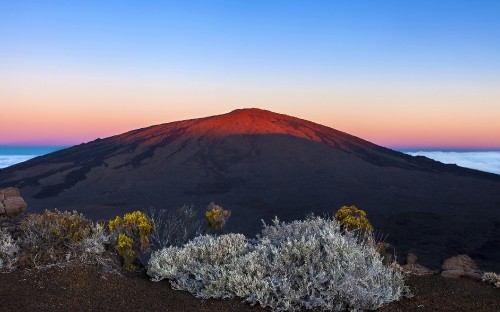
262, 164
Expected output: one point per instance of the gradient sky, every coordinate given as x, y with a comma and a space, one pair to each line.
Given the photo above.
403, 74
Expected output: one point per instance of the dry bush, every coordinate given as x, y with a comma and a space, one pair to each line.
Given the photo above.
56, 237
9, 250
175, 228
311, 264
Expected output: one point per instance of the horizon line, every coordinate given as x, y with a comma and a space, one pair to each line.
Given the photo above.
405, 148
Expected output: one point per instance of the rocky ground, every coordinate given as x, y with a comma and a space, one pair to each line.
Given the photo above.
74, 287
87, 289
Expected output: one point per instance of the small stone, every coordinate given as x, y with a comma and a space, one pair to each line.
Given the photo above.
411, 258
413, 267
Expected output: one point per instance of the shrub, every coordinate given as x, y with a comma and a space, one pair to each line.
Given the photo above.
8, 251
94, 246
175, 228
216, 217
57, 228
310, 264
492, 278
351, 218
55, 236
132, 235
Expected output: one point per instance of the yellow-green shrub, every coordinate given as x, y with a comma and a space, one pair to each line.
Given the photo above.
351, 218
132, 233
216, 216
54, 236
125, 248
58, 227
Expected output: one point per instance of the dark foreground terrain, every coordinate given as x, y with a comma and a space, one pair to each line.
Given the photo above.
86, 289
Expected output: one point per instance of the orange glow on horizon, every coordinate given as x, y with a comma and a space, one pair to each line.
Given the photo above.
47, 110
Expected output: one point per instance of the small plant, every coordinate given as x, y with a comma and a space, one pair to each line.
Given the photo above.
56, 227
132, 234
55, 236
216, 217
9, 250
125, 248
351, 218
94, 246
491, 278
175, 228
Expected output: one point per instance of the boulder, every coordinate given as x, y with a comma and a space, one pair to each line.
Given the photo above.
460, 266
413, 267
11, 202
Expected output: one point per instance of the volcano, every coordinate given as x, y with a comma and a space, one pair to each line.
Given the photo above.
261, 164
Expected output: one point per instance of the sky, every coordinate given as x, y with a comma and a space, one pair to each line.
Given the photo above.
402, 74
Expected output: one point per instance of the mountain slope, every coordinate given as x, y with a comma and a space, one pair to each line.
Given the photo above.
260, 164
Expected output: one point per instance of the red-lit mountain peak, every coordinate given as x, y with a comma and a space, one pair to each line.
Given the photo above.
262, 164
240, 122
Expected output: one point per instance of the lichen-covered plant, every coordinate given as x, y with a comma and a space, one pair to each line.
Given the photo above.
94, 246
8, 251
311, 264
351, 218
132, 235
216, 217
491, 278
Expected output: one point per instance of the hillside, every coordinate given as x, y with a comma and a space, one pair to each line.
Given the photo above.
260, 164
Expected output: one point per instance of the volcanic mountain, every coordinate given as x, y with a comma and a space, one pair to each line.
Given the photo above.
260, 164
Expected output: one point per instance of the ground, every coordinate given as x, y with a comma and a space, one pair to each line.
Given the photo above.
88, 289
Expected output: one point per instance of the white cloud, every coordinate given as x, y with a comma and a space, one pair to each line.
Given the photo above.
484, 161
9, 160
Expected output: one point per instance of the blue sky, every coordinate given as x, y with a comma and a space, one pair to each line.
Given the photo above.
381, 39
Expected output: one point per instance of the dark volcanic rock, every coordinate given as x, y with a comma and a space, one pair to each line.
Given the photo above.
260, 164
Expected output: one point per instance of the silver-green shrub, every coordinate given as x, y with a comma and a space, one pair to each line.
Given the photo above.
9, 250
491, 278
310, 264
92, 248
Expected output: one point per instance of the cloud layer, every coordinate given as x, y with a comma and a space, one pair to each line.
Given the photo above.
9, 160
484, 161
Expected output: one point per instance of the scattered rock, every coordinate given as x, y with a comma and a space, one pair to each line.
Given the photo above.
411, 258
11, 202
413, 267
460, 266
